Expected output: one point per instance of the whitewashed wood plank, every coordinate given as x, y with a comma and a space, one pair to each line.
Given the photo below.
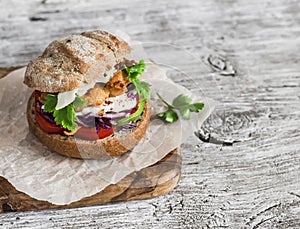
252, 184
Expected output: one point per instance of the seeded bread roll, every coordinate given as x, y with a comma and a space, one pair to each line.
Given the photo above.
111, 146
69, 62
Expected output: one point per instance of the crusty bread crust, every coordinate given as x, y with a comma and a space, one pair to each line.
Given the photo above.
78, 148
69, 62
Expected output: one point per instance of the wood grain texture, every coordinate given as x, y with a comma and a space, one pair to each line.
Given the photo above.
254, 183
4, 71
152, 181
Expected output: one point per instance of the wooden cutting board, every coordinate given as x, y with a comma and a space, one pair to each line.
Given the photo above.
149, 182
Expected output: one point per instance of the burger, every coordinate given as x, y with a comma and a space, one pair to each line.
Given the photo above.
88, 99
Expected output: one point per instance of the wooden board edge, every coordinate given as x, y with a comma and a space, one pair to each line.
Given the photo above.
5, 71
152, 181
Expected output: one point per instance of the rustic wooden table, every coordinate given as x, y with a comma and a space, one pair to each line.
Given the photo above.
246, 173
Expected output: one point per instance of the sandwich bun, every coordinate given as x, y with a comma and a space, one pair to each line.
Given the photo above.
67, 64
71, 146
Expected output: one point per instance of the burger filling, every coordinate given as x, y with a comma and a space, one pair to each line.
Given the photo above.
95, 111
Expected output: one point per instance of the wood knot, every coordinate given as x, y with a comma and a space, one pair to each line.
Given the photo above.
6, 207
34, 18
221, 65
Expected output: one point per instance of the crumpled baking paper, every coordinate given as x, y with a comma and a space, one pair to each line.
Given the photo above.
31, 168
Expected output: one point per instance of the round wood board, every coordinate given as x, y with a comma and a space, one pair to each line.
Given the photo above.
149, 182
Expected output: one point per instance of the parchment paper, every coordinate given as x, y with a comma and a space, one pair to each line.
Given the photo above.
45, 175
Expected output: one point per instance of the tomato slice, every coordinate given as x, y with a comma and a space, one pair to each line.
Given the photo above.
105, 133
48, 127
36, 96
134, 109
86, 133
82, 133
91, 133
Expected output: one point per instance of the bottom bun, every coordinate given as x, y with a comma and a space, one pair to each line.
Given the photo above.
112, 146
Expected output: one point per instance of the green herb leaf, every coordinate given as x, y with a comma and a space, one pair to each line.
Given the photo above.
161, 115
135, 115
185, 112
181, 103
136, 70
50, 104
171, 116
181, 100
165, 102
78, 102
142, 88
65, 116
196, 107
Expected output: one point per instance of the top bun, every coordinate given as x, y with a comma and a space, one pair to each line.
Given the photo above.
69, 62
